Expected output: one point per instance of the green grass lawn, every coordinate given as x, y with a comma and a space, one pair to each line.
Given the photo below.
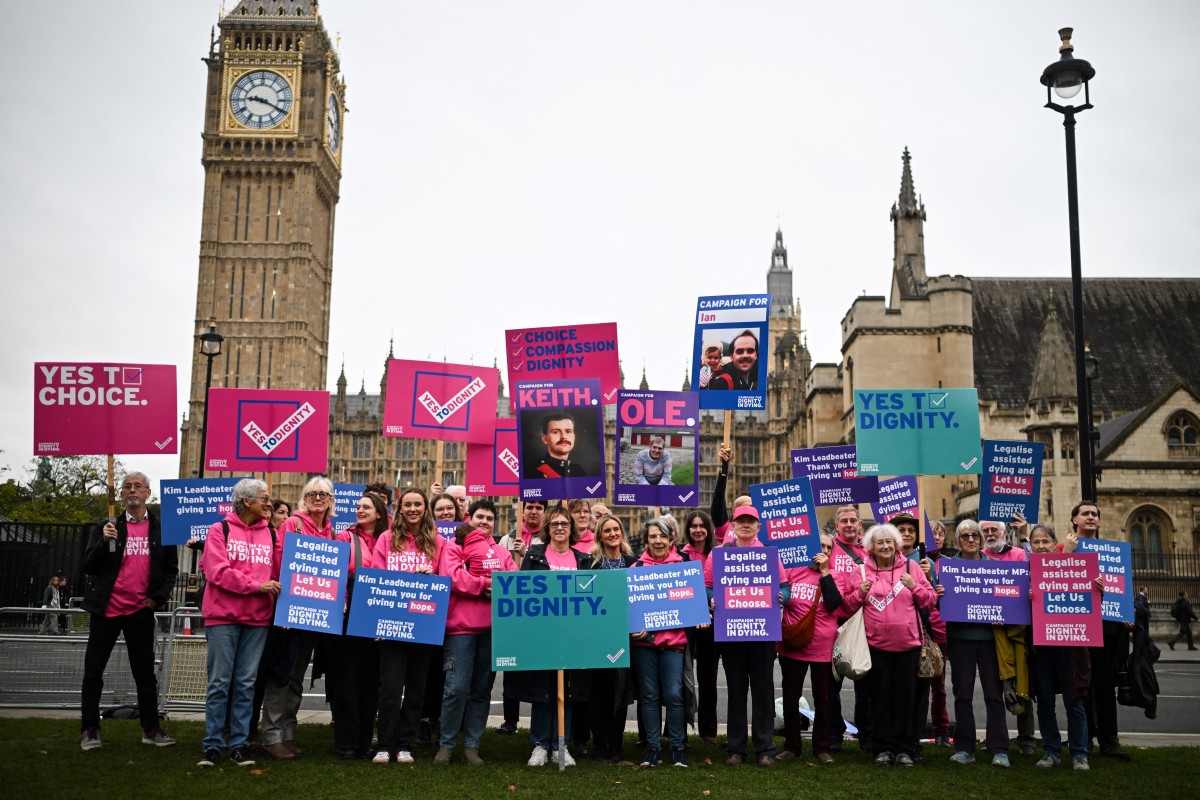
683, 474
42, 759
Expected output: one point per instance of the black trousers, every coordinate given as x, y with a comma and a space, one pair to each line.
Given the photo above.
1185, 632
750, 666
138, 629
893, 686
606, 715
403, 668
353, 689
1102, 694
704, 655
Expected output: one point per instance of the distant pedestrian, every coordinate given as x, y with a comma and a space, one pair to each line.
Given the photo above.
51, 599
1141, 610
1185, 616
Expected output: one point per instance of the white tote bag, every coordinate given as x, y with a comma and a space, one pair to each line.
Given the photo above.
851, 655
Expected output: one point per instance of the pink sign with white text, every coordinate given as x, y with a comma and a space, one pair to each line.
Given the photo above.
493, 469
269, 430
436, 400
566, 351
1066, 603
83, 409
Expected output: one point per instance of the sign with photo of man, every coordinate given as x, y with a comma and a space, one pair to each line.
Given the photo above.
658, 441
560, 433
729, 358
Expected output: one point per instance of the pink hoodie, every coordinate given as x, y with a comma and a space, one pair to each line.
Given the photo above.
890, 609
410, 558
369, 540
805, 581
1010, 554
302, 522
470, 568
235, 568
840, 560
672, 638
693, 553
586, 540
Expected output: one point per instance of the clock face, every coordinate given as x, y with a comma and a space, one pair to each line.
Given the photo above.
261, 99
333, 123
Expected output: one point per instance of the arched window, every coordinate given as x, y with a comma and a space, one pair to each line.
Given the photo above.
1183, 435
1147, 535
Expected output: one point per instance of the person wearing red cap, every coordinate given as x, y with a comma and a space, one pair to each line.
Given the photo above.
749, 665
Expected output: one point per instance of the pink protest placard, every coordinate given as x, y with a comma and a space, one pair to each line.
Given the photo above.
1066, 603
493, 469
435, 400
83, 409
269, 430
568, 351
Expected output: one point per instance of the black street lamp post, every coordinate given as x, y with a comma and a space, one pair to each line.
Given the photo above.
1065, 78
210, 348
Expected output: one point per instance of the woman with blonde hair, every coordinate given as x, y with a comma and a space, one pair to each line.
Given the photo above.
412, 545
612, 689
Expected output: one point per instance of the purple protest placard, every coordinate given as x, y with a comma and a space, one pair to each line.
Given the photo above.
986, 591
560, 434
789, 520
729, 355
563, 353
1011, 482
899, 496
658, 442
833, 473
1066, 608
746, 594
1116, 567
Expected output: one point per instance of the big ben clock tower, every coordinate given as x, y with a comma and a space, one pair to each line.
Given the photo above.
272, 154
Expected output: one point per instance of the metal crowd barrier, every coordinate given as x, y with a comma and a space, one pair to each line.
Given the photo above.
46, 671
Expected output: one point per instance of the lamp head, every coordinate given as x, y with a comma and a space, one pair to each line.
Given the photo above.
210, 342
1069, 74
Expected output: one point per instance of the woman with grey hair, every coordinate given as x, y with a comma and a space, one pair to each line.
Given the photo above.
284, 686
241, 564
972, 647
892, 591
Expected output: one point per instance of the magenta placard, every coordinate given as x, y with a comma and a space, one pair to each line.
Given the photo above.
492, 468
436, 400
271, 430
566, 351
1066, 603
85, 409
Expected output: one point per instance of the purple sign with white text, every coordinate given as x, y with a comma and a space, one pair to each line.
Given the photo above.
746, 594
984, 591
833, 474
658, 441
560, 433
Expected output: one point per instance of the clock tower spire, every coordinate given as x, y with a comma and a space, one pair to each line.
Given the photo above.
272, 155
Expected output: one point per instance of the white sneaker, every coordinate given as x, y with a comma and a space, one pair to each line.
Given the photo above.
538, 758
404, 757
566, 758
382, 757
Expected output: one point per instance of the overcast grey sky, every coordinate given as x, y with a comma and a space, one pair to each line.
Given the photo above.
512, 164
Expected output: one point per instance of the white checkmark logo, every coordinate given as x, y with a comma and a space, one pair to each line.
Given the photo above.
289, 426
968, 464
592, 489
683, 498
161, 445
444, 411
613, 658
582, 586
609, 395
938, 402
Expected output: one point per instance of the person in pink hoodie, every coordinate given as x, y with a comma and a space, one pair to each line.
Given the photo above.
412, 545
696, 541
657, 660
241, 565
282, 698
891, 592
817, 592
353, 685
581, 511
467, 652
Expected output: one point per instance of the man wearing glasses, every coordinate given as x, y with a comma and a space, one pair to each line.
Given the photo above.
134, 576
741, 373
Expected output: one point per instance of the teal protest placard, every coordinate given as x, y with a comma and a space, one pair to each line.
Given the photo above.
917, 431
576, 619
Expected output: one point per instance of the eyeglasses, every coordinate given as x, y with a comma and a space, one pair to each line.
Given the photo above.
992, 530
317, 496
962, 536
263, 498
560, 524
134, 486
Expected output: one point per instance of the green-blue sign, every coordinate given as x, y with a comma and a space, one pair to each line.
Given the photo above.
917, 431
560, 620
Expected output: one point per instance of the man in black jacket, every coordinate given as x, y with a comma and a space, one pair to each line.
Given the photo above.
1185, 616
134, 575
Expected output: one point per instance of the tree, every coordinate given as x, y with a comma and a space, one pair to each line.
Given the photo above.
63, 489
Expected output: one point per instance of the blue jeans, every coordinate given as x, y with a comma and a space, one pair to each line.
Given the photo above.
660, 683
467, 698
1053, 676
233, 654
543, 723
